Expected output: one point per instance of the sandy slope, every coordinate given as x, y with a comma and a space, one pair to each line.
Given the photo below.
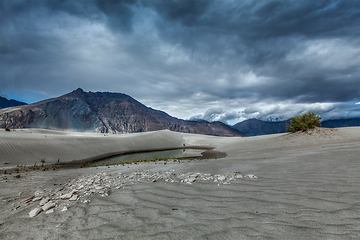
28, 146
308, 187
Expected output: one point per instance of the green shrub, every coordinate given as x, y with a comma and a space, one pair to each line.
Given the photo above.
7, 129
303, 122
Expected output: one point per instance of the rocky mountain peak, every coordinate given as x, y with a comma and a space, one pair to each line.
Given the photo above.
76, 93
79, 90
103, 112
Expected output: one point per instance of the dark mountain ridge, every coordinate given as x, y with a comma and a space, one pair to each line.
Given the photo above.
335, 123
102, 112
255, 127
5, 103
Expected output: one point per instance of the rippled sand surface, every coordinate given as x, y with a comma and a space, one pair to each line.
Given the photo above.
307, 187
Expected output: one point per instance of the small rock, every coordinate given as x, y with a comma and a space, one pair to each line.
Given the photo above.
74, 197
48, 205
251, 176
196, 175
60, 189
37, 198
221, 178
43, 201
26, 200
64, 209
192, 179
239, 176
68, 195
35, 212
38, 192
49, 211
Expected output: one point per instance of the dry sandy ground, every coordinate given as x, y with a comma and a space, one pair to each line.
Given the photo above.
307, 187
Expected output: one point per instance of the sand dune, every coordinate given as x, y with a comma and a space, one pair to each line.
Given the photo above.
31, 145
307, 187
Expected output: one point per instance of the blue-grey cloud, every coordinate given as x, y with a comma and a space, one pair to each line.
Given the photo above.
191, 58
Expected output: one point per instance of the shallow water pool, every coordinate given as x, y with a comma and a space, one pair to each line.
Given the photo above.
178, 153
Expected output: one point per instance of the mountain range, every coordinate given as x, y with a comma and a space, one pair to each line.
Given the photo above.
106, 112
102, 112
255, 127
351, 122
5, 103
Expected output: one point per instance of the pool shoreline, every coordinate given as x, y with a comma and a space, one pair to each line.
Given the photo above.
208, 151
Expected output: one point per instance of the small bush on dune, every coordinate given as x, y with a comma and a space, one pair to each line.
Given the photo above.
303, 122
7, 129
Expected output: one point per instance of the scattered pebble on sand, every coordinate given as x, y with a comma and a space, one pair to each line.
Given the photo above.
101, 183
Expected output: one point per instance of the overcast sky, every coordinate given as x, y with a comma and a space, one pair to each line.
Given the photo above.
215, 60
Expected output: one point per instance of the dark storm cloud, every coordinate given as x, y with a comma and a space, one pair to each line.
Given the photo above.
260, 35
219, 60
119, 14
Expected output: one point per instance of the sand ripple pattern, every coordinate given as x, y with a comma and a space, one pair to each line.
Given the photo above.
135, 207
306, 188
